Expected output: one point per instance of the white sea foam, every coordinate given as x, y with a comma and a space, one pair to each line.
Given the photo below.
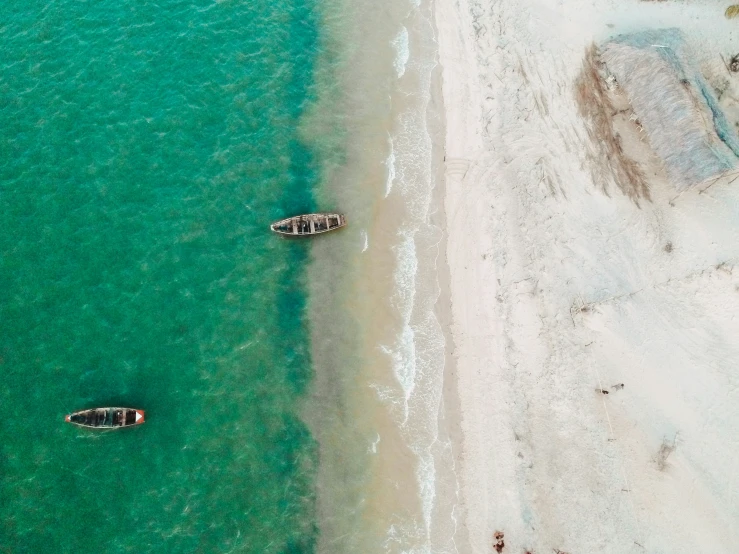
387, 395
405, 275
366, 241
404, 351
402, 51
373, 446
390, 163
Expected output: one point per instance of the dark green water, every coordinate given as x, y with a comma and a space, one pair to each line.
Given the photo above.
144, 148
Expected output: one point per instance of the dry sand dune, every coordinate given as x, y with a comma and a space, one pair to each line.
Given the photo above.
564, 289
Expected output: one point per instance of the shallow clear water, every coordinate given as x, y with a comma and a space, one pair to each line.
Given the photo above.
144, 148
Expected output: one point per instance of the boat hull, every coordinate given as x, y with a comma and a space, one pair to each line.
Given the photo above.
309, 224
106, 418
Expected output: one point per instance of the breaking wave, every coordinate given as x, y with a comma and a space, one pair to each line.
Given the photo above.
417, 353
402, 51
390, 163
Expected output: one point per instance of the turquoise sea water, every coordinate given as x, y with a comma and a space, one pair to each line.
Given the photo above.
144, 148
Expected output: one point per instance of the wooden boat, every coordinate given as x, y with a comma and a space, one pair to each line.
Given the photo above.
106, 418
308, 224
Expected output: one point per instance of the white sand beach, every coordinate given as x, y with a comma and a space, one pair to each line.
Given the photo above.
564, 289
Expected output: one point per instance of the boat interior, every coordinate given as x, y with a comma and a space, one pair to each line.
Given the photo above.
104, 417
308, 224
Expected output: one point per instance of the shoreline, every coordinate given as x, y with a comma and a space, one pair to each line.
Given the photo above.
376, 405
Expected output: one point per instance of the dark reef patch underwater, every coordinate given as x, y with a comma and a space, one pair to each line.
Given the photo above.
144, 149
